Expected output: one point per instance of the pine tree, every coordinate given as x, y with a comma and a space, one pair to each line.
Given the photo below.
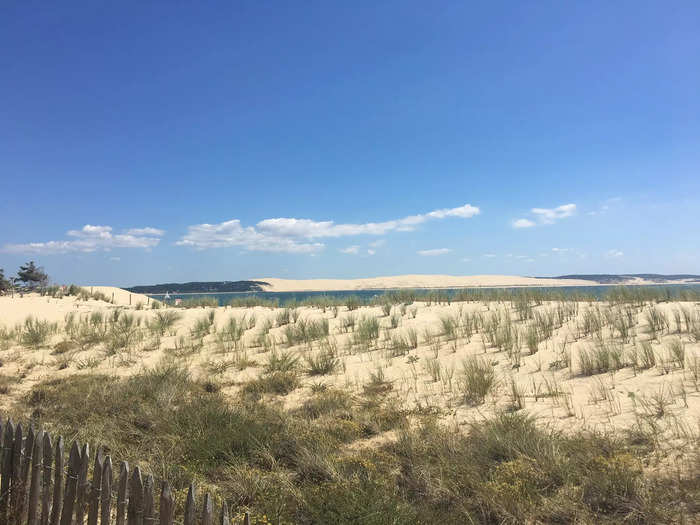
32, 275
4, 283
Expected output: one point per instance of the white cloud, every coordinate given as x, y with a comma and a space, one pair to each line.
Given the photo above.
378, 243
560, 250
523, 223
351, 249
614, 254
546, 216
370, 251
310, 229
433, 252
466, 259
489, 255
551, 215
231, 233
286, 234
146, 231
90, 239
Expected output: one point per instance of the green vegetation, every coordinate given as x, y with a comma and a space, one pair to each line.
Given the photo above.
295, 465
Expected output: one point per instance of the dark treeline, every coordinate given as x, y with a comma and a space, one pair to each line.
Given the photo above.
201, 287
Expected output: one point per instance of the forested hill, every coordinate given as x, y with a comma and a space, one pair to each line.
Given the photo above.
623, 278
201, 287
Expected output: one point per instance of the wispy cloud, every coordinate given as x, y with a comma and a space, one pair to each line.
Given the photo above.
90, 239
523, 223
433, 252
613, 254
351, 249
489, 255
545, 216
296, 235
146, 231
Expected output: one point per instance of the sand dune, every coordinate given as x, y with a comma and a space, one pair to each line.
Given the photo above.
16, 310
414, 281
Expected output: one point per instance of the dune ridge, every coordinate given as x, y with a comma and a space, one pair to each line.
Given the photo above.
414, 281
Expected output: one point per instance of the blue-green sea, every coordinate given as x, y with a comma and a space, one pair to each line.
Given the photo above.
365, 295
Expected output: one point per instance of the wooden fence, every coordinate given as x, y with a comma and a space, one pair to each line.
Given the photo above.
37, 487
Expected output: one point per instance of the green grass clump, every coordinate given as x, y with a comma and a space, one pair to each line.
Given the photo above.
164, 320
323, 363
34, 333
279, 383
477, 381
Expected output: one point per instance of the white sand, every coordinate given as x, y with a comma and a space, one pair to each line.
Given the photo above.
414, 281
602, 401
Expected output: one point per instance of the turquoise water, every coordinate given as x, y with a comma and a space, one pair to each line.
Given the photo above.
283, 297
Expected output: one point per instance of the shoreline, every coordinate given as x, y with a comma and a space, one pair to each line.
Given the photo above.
473, 287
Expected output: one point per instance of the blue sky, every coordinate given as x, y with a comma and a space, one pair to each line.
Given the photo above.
210, 141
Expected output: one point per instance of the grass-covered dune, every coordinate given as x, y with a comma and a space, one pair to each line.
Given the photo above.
314, 463
479, 407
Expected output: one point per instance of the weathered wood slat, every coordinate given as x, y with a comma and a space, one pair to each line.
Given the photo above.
83, 487
167, 505
207, 511
46, 480
16, 481
106, 499
59, 463
33, 512
190, 507
74, 463
95, 489
122, 492
25, 474
223, 518
5, 484
149, 509
135, 512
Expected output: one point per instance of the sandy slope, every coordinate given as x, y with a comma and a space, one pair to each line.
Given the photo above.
559, 396
414, 281
16, 310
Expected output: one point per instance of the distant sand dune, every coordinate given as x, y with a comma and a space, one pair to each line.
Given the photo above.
414, 281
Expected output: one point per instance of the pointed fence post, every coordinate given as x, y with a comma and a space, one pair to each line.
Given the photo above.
25, 473
167, 505
149, 509
224, 519
16, 481
122, 492
59, 464
96, 489
190, 507
83, 491
33, 513
46, 480
207, 511
135, 511
5, 486
106, 498
74, 463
